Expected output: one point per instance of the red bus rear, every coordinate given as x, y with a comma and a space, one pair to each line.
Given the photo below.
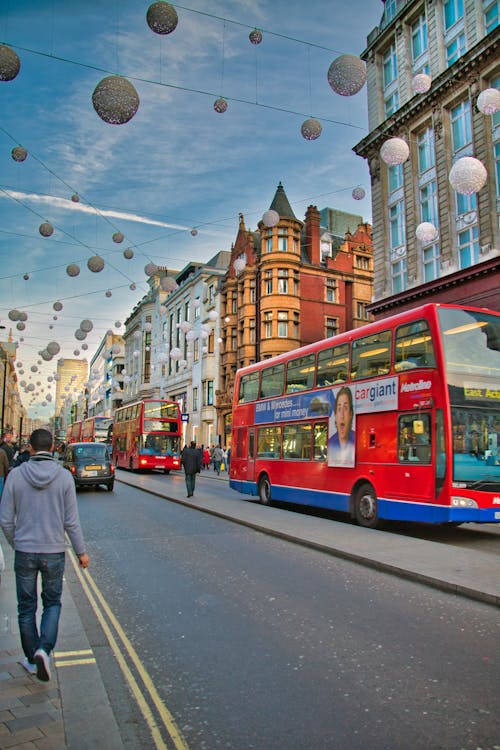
97, 430
397, 420
147, 435
74, 432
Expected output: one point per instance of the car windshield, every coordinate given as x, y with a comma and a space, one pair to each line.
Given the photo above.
99, 452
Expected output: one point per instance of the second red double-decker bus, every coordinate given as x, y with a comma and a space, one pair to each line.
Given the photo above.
399, 419
147, 435
97, 430
74, 432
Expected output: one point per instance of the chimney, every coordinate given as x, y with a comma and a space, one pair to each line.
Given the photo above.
313, 235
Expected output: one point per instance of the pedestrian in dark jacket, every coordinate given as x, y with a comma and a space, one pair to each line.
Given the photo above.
191, 460
7, 445
22, 456
4, 468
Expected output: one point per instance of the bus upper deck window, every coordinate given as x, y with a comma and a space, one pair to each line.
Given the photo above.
413, 347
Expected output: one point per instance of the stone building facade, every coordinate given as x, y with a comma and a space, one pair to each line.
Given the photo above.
456, 43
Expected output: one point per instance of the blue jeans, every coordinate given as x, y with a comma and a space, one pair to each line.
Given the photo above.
27, 565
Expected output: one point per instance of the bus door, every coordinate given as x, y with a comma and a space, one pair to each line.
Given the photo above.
416, 475
251, 455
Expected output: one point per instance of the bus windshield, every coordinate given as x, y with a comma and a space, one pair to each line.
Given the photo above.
471, 346
159, 445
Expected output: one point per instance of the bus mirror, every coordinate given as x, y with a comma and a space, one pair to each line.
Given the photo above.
418, 426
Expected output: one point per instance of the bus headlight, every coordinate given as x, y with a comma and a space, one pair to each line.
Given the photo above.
463, 502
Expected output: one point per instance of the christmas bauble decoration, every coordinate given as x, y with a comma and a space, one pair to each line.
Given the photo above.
358, 193
19, 153
115, 100
394, 151
311, 129
162, 18
426, 232
270, 218
421, 83
95, 264
9, 63
488, 101
255, 36
347, 75
220, 105
468, 175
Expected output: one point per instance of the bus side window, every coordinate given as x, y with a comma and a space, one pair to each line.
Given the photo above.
413, 347
320, 441
414, 438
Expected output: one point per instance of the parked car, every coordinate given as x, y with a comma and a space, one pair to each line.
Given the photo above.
90, 464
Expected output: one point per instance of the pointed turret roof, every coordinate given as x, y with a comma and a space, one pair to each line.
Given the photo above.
281, 205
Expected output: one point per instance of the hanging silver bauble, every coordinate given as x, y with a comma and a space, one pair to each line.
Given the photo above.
132, 287
85, 346
19, 153
168, 284
115, 100
358, 194
311, 129
270, 218
239, 264
426, 232
194, 232
9, 63
220, 105
162, 18
150, 269
57, 306
26, 276
108, 293
95, 264
255, 36
72, 270
46, 229
175, 353
394, 151
128, 253
468, 175
80, 335
14, 314
421, 83
347, 75
118, 237
86, 325
53, 348
488, 101
75, 198
20, 326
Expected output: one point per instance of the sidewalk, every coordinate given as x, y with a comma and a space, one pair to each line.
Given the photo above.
70, 711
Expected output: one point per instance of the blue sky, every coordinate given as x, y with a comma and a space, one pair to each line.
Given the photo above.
177, 164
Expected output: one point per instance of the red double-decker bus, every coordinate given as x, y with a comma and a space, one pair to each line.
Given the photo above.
147, 435
97, 430
399, 419
74, 432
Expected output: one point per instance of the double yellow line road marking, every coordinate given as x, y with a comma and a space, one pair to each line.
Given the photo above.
125, 653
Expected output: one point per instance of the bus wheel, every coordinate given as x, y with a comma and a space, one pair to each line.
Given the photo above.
265, 490
166, 471
365, 506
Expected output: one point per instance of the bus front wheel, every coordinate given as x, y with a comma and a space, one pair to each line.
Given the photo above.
366, 506
265, 490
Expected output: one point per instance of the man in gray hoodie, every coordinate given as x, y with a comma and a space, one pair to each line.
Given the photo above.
38, 506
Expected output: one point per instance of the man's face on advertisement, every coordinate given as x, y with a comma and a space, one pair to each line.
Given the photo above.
343, 417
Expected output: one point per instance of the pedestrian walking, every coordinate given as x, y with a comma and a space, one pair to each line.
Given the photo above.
38, 506
228, 459
206, 458
7, 445
4, 468
191, 460
22, 456
218, 457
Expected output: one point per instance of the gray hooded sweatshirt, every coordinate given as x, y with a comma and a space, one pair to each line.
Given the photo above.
38, 505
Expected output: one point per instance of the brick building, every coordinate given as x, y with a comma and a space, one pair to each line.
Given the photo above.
290, 285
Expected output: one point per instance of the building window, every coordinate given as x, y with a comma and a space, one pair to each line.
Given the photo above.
195, 399
390, 80
186, 310
465, 203
495, 130
282, 281
431, 257
397, 224
461, 127
295, 324
269, 244
268, 282
234, 304
252, 291
268, 325
211, 340
211, 294
282, 240
428, 203
282, 324
208, 393
454, 38
491, 12
468, 247
395, 177
196, 350
234, 340
389, 10
419, 46
426, 152
251, 326
331, 290
361, 311
331, 327
362, 262
197, 309
399, 276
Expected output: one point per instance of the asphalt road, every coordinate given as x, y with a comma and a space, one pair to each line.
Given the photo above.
255, 642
